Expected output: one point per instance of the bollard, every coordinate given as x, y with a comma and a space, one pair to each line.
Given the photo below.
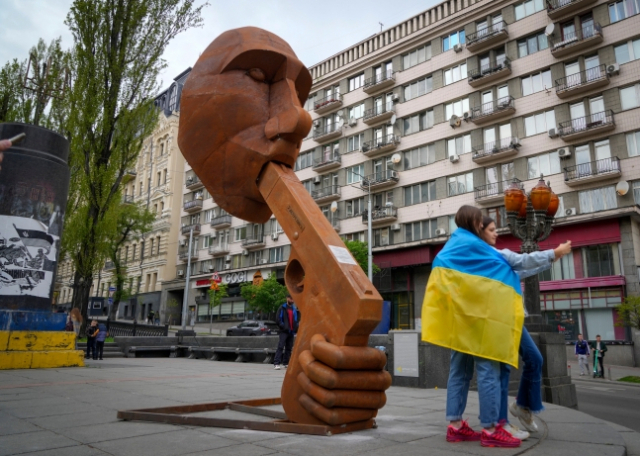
609, 372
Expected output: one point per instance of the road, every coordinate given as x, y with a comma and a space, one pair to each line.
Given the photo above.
615, 402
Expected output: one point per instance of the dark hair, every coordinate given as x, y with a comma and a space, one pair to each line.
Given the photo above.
469, 217
598, 336
289, 295
579, 334
486, 221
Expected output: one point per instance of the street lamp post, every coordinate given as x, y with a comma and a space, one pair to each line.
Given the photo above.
185, 299
530, 219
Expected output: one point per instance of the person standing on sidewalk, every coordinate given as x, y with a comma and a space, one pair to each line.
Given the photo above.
92, 332
287, 319
101, 336
600, 348
582, 352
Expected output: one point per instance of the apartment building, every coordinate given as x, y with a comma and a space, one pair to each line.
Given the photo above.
446, 109
156, 182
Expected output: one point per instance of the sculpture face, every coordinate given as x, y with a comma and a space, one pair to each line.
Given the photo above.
242, 108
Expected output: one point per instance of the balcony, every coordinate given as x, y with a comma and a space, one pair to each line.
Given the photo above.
327, 194
327, 162
598, 170
379, 146
380, 180
494, 192
127, 199
559, 8
255, 242
129, 175
327, 104
487, 37
379, 82
222, 222
489, 73
496, 150
219, 250
579, 40
193, 205
381, 216
327, 133
187, 228
193, 182
582, 82
378, 114
183, 254
493, 110
583, 127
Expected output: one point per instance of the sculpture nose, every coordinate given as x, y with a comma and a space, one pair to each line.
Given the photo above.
288, 120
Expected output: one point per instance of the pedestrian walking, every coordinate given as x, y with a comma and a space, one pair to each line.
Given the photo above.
76, 319
582, 352
92, 332
287, 319
101, 336
599, 348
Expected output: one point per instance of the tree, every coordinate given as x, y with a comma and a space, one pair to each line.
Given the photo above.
264, 298
133, 221
216, 294
360, 252
117, 59
629, 312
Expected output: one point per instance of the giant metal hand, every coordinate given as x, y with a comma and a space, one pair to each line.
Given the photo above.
241, 127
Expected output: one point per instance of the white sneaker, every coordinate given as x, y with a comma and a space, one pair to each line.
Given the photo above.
525, 417
285, 365
276, 367
516, 431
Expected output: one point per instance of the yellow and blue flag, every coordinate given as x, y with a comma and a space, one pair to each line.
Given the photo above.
473, 302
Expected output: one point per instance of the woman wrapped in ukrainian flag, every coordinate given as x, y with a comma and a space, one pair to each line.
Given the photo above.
473, 305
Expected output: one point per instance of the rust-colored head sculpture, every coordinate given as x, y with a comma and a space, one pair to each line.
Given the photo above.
241, 108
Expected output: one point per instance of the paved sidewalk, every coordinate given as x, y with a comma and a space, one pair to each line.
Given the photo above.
72, 412
616, 372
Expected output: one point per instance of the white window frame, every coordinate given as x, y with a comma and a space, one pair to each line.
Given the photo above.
456, 71
356, 82
465, 180
458, 108
552, 164
428, 152
355, 173
531, 79
462, 145
587, 201
541, 122
628, 93
408, 60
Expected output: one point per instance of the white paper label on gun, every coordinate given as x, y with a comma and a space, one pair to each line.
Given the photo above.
342, 255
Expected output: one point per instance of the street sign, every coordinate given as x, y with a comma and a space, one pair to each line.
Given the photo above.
216, 278
110, 301
112, 288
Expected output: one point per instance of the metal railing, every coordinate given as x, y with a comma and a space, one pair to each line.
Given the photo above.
184, 254
582, 78
191, 180
379, 178
135, 329
253, 240
326, 191
576, 36
218, 249
109, 265
221, 220
494, 188
196, 203
378, 110
379, 214
492, 107
378, 78
486, 33
494, 147
378, 143
333, 98
327, 159
599, 119
604, 166
196, 228
488, 69
328, 129
555, 4
127, 199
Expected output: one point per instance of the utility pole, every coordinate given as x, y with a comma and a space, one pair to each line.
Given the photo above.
185, 299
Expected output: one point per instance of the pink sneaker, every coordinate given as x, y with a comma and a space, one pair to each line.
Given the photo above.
464, 434
499, 438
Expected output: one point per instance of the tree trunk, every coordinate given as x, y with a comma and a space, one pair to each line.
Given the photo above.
80, 301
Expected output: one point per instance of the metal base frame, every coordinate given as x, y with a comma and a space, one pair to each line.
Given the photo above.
180, 415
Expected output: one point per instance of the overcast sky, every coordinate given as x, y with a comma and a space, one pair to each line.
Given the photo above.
314, 29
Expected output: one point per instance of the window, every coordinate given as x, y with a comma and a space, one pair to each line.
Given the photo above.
601, 260
308, 185
356, 112
381, 237
539, 123
173, 98
355, 207
532, 44
240, 233
355, 142
419, 156
422, 54
560, 270
418, 122
355, 237
276, 255
629, 97
356, 82
134, 251
425, 229
452, 224
528, 8
633, 143
455, 74
499, 215
355, 173
459, 145
457, 107
275, 226
420, 193
623, 9
418, 88
598, 199
449, 41
627, 51
543, 164
460, 184
305, 159
536, 82
309, 105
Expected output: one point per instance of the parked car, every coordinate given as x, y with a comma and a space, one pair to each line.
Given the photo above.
253, 328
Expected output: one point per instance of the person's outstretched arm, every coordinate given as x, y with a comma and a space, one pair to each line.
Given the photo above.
529, 264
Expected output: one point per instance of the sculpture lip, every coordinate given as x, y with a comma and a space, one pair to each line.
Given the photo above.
282, 150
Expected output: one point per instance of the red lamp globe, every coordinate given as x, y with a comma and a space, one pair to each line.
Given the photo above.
540, 196
554, 203
513, 198
523, 208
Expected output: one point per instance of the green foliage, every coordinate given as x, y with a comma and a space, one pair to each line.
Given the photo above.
629, 312
215, 297
265, 298
360, 252
630, 379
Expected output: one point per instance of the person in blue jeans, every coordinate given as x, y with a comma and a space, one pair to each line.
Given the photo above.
287, 318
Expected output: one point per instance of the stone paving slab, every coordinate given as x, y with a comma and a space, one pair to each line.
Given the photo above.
72, 412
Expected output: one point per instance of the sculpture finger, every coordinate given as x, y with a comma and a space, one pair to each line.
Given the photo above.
336, 416
342, 398
331, 379
347, 358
